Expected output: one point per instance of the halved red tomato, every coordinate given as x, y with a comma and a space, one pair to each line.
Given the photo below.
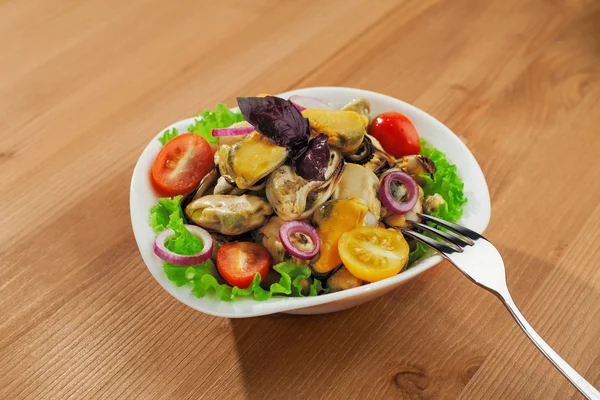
238, 263
181, 164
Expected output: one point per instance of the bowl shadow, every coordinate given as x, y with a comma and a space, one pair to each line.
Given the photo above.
273, 351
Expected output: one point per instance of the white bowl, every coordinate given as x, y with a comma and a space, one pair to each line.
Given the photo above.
476, 214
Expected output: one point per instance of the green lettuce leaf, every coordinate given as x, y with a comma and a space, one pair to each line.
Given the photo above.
161, 214
220, 117
420, 252
203, 279
316, 287
167, 135
448, 184
168, 214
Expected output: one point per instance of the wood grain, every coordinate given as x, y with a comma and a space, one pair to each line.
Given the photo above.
84, 85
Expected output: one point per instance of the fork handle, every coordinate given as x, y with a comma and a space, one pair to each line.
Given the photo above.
573, 376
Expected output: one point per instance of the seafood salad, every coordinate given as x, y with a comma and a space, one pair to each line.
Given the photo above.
295, 198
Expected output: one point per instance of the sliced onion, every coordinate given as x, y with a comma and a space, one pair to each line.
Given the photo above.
292, 227
233, 131
177, 259
304, 102
387, 198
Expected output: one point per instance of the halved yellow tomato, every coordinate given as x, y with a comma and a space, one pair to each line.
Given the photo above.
373, 253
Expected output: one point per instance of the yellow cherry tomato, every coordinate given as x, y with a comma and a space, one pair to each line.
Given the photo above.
373, 253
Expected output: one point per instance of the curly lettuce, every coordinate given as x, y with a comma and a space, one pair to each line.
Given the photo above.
448, 184
220, 117
205, 122
161, 213
168, 135
204, 278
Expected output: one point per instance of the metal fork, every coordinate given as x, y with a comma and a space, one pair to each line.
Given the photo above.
479, 260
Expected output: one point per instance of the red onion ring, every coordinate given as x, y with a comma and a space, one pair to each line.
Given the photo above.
304, 102
233, 131
387, 198
291, 227
177, 259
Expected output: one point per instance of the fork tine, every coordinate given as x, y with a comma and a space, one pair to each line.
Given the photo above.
440, 247
451, 238
466, 232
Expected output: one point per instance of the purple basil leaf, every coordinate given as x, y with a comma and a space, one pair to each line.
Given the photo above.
278, 119
312, 164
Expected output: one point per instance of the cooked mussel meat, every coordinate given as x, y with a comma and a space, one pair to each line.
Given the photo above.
331, 220
293, 197
433, 203
268, 236
380, 161
358, 182
363, 154
227, 214
346, 129
245, 163
416, 165
342, 279
360, 105
205, 187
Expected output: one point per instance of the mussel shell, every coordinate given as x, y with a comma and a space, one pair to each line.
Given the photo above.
380, 161
324, 276
294, 198
342, 280
219, 241
224, 187
249, 161
360, 105
205, 187
258, 185
363, 154
359, 182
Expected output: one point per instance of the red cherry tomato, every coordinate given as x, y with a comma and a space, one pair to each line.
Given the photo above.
396, 134
181, 164
238, 263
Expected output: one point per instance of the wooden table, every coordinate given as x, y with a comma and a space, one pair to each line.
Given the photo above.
85, 85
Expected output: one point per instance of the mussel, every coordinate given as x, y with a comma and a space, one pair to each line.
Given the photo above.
333, 219
247, 162
268, 236
360, 105
206, 186
380, 161
433, 203
363, 154
342, 279
416, 165
358, 182
346, 129
293, 197
224, 187
227, 214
